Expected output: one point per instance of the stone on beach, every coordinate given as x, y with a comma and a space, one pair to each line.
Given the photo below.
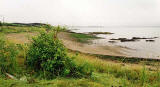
150, 40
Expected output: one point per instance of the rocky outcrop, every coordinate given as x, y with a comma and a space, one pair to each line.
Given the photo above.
134, 39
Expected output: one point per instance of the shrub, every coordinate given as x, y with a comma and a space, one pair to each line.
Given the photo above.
47, 27
58, 28
48, 57
1, 26
0, 23
8, 55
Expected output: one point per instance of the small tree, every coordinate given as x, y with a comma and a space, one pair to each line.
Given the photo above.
49, 56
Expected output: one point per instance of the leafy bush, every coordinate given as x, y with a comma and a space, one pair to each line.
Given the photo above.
48, 27
0, 23
48, 57
8, 55
1, 28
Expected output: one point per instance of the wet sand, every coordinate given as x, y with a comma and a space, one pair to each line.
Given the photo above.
72, 44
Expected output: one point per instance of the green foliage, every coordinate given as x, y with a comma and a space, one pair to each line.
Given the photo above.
48, 27
8, 55
1, 29
143, 76
83, 38
23, 48
65, 82
18, 29
48, 56
1, 26
57, 29
0, 23
60, 28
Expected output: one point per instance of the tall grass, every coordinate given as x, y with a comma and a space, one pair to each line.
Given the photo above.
8, 54
143, 76
139, 75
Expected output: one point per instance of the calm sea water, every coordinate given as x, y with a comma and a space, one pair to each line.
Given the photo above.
138, 48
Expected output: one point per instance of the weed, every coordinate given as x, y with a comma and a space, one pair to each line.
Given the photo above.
8, 55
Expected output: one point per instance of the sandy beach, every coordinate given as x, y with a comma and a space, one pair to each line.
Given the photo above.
70, 43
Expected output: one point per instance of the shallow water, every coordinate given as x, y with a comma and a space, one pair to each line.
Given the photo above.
139, 48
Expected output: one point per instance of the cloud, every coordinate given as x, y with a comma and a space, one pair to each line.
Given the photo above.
83, 12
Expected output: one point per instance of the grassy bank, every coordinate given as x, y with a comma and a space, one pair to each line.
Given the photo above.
105, 73
18, 29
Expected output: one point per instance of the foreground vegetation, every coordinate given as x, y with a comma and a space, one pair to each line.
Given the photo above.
45, 62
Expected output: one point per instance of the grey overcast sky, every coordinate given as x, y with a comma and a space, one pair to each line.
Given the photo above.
83, 12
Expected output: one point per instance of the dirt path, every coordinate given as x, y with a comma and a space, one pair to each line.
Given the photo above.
70, 43
20, 38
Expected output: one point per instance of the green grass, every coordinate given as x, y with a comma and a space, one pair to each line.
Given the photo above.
83, 38
18, 29
106, 73
137, 76
98, 80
